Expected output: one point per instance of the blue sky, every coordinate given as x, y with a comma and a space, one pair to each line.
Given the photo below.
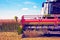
11, 8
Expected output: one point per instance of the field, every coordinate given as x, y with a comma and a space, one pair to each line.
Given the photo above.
9, 36
15, 36
42, 38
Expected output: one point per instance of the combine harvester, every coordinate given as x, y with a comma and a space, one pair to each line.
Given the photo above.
43, 25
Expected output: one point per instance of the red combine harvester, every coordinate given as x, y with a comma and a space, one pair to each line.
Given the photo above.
47, 25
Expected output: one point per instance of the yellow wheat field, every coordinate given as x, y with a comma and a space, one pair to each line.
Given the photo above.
10, 36
15, 36
42, 38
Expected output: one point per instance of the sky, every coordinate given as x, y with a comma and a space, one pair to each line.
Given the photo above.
11, 8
